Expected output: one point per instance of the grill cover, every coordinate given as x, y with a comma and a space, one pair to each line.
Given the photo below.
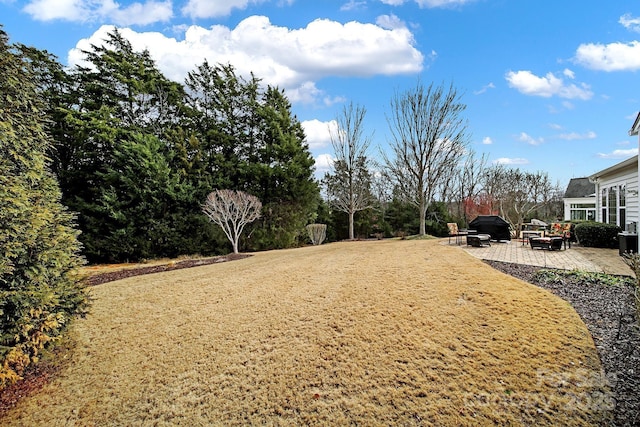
493, 225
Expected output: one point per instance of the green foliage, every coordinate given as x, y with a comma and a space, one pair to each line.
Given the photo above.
39, 251
633, 261
437, 218
136, 155
584, 277
403, 218
597, 234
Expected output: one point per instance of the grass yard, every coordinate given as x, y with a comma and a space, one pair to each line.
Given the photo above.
385, 332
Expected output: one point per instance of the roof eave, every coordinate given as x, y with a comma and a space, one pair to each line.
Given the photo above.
624, 164
635, 129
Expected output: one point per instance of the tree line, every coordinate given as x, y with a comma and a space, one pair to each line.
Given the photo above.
429, 176
136, 154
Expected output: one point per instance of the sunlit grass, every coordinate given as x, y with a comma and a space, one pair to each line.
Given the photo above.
393, 332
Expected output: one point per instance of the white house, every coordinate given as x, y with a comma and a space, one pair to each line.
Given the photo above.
616, 190
580, 200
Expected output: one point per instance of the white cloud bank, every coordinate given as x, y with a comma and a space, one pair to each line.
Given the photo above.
510, 161
609, 57
550, 85
292, 59
619, 154
136, 13
317, 133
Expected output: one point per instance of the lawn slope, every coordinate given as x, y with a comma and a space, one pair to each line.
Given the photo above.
381, 332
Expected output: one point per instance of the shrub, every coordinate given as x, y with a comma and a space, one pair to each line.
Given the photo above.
317, 233
39, 251
597, 234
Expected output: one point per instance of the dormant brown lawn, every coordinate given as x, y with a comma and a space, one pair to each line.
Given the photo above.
368, 333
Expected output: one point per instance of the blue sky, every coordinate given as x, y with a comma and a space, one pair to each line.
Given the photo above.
549, 85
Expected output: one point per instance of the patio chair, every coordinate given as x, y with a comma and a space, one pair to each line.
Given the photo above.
453, 231
561, 230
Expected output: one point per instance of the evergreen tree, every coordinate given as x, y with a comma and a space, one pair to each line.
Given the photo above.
39, 250
114, 108
282, 175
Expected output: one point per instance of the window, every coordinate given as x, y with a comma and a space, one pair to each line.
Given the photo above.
582, 211
622, 210
614, 205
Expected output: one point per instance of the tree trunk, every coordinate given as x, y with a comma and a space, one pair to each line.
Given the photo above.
423, 216
351, 237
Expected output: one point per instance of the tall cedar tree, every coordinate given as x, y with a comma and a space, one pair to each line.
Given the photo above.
250, 141
116, 159
39, 251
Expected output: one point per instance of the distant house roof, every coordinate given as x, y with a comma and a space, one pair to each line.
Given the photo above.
579, 187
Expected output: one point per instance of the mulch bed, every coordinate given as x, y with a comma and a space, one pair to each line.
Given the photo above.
101, 278
611, 314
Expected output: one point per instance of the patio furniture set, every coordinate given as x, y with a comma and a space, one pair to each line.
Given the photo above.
557, 239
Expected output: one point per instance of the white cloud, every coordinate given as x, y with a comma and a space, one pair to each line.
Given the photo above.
524, 137
573, 136
317, 132
292, 59
136, 13
510, 161
484, 89
630, 23
429, 3
610, 57
487, 140
213, 8
390, 22
324, 163
568, 73
619, 154
353, 5
529, 84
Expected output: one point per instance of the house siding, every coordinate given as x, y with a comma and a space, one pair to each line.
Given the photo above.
627, 177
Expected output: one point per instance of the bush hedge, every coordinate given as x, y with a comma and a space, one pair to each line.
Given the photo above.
39, 251
597, 234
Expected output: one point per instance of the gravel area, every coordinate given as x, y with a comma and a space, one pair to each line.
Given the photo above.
611, 314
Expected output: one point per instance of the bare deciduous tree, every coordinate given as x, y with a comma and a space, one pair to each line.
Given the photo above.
349, 185
232, 210
518, 193
469, 182
429, 138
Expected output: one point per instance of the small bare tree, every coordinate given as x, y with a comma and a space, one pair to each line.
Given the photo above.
317, 233
232, 210
349, 185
